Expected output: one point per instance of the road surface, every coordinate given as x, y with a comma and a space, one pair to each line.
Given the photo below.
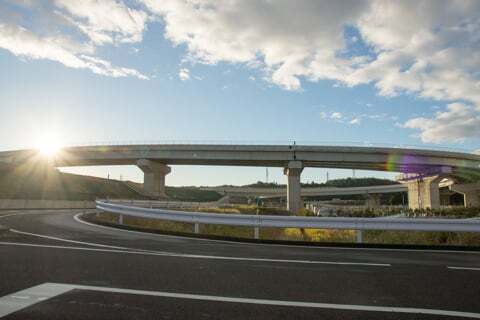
53, 266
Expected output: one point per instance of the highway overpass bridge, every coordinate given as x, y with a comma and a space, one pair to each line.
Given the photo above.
422, 170
371, 193
308, 192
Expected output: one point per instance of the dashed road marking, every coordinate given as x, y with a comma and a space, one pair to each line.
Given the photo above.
463, 268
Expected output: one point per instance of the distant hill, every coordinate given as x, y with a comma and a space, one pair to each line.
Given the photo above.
337, 183
45, 182
358, 182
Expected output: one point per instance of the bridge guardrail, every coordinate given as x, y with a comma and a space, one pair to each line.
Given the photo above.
265, 221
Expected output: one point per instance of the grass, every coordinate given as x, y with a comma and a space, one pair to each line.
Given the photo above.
44, 182
299, 234
422, 238
38, 180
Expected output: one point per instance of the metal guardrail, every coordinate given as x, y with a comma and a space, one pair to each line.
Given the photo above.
268, 221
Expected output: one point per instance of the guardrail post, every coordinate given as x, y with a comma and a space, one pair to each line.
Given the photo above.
197, 228
256, 233
359, 235
120, 219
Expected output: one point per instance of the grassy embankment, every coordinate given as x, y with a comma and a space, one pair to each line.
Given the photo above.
296, 234
41, 181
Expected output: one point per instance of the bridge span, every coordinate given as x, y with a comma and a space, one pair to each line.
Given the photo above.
422, 170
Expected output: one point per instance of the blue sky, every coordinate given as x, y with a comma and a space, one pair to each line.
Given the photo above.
209, 85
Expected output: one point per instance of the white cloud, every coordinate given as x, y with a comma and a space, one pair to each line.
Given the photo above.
427, 48
25, 43
323, 115
434, 55
336, 115
105, 21
184, 74
355, 121
455, 124
44, 33
260, 33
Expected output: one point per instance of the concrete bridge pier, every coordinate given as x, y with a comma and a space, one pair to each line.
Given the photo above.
424, 192
153, 177
470, 191
293, 172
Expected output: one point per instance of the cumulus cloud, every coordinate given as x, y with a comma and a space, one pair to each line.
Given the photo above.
355, 121
25, 43
434, 55
106, 21
45, 36
456, 123
184, 74
336, 115
427, 48
259, 33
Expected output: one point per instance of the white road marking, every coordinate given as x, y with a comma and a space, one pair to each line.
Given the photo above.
93, 244
12, 214
193, 256
22, 244
230, 242
463, 268
25, 298
21, 297
49, 290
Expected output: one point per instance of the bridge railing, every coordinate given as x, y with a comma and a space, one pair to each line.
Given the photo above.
273, 221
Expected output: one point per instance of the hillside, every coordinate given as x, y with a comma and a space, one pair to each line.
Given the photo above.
338, 183
44, 182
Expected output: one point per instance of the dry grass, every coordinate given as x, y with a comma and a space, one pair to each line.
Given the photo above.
297, 234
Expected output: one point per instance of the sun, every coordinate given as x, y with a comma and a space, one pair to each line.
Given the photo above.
48, 147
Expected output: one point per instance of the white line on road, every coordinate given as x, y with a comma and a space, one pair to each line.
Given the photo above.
192, 256
93, 244
463, 268
25, 298
49, 290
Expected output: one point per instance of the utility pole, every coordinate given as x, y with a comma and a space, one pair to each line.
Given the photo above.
266, 175
327, 176
353, 173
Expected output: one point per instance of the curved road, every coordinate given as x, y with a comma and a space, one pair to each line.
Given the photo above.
54, 266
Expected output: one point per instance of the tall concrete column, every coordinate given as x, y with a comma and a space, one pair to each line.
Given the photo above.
153, 177
294, 199
424, 193
471, 193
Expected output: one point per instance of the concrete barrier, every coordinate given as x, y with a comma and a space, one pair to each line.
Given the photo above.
13, 204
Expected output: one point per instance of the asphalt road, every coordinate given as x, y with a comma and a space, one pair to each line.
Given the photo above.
53, 266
